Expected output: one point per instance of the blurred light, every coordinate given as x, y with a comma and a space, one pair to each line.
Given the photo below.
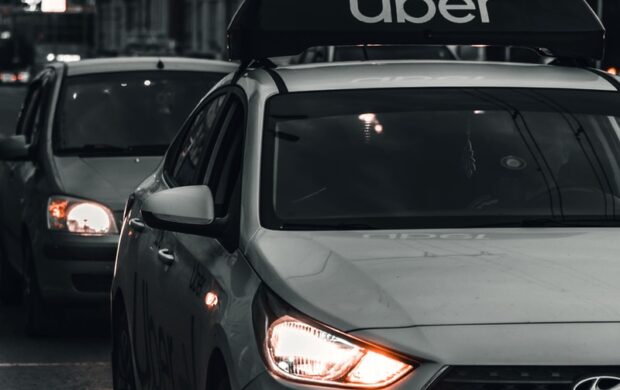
123, 84
5, 35
479, 46
147, 83
54, 6
51, 57
68, 57
75, 95
479, 112
8, 78
368, 118
299, 351
23, 77
379, 129
613, 70
211, 300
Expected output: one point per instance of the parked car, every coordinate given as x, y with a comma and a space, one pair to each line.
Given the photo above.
401, 225
88, 133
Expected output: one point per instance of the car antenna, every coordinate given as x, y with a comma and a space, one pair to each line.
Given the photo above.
161, 65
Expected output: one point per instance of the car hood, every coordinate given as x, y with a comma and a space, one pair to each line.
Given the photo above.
109, 180
357, 280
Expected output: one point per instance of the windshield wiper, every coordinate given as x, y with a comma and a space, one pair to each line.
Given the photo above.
327, 226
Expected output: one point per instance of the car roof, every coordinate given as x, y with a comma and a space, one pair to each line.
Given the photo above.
418, 74
131, 64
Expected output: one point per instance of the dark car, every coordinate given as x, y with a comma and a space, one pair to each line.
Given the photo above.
88, 133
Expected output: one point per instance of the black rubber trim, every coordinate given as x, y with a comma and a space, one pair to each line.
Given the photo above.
278, 80
611, 79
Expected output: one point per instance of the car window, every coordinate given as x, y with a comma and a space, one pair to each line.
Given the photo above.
126, 113
197, 141
225, 165
420, 158
31, 119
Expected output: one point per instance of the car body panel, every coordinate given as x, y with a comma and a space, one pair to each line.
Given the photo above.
131, 64
109, 180
437, 74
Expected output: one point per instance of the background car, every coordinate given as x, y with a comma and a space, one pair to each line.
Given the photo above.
88, 133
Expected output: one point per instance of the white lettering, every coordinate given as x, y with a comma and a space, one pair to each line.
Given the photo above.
445, 8
402, 16
385, 15
484, 12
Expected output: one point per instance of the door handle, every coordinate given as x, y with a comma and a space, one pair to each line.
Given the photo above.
166, 257
137, 224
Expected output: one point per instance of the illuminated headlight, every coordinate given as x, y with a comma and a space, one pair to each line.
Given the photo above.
79, 217
302, 351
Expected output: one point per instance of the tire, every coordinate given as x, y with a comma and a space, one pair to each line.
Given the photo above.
37, 314
122, 358
10, 282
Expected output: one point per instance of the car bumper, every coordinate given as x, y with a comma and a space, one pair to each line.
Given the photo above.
75, 269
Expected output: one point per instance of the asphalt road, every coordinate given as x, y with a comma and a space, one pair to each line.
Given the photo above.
75, 357
11, 99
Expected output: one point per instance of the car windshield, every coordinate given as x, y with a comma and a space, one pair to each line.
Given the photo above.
441, 158
134, 113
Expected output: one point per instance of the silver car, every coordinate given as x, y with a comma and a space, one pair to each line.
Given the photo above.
88, 133
419, 225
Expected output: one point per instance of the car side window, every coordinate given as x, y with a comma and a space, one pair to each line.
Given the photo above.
33, 115
197, 142
30, 116
224, 167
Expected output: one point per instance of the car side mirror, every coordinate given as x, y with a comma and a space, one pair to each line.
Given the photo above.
14, 148
188, 210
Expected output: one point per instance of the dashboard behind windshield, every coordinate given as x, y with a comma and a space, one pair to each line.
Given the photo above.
130, 113
440, 158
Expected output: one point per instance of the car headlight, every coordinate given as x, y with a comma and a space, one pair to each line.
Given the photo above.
79, 217
302, 350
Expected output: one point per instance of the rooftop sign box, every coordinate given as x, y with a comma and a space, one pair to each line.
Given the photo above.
269, 28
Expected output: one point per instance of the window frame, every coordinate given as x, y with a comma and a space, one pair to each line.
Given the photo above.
171, 158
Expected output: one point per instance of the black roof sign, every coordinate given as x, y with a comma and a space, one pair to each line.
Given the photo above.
270, 28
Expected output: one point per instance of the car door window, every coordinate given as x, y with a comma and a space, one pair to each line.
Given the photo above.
35, 108
224, 167
31, 112
196, 143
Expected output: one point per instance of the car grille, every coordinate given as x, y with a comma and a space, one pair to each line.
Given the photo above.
517, 378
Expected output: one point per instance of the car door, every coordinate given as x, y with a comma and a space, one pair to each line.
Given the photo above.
194, 283
17, 174
157, 268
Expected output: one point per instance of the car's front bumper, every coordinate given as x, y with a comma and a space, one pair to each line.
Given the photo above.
75, 269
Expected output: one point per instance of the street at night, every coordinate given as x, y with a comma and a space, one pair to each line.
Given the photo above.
309, 194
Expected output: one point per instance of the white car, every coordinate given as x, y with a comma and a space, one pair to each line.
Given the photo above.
403, 225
